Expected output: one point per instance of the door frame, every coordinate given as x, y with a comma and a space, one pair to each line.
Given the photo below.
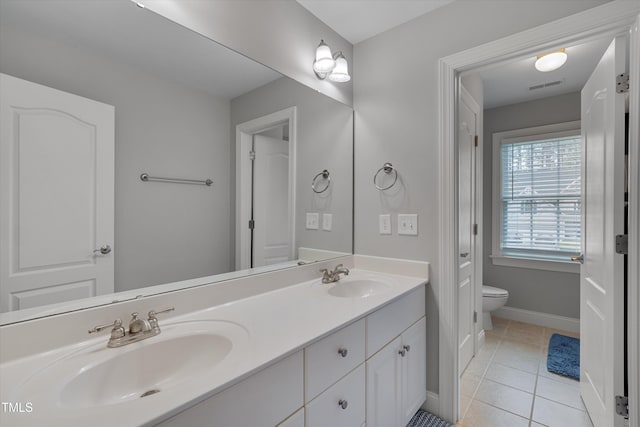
610, 19
244, 140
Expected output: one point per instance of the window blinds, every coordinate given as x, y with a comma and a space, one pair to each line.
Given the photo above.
541, 196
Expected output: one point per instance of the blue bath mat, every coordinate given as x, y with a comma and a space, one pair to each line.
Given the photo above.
425, 419
564, 356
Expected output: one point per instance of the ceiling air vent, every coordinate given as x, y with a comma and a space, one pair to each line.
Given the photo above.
543, 85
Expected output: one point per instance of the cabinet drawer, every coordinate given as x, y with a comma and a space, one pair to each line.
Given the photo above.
263, 399
295, 420
388, 322
326, 410
329, 359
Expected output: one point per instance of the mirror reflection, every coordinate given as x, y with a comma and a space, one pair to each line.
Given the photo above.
131, 159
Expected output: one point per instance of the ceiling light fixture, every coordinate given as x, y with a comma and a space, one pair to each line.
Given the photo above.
335, 67
551, 61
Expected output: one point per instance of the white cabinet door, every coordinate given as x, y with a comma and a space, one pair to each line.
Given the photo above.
414, 369
384, 370
341, 405
601, 275
56, 195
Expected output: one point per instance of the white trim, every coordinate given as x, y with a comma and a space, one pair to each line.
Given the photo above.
432, 404
312, 255
536, 264
608, 19
538, 318
403, 267
481, 335
633, 277
556, 130
244, 133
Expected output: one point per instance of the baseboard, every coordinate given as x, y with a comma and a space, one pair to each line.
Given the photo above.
480, 339
432, 404
537, 318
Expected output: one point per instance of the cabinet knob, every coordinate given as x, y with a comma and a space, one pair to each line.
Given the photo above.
343, 403
407, 347
402, 352
343, 352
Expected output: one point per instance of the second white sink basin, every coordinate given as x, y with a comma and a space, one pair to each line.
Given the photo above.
358, 288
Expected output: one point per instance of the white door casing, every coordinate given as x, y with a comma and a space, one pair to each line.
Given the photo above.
56, 195
244, 143
602, 273
271, 233
468, 111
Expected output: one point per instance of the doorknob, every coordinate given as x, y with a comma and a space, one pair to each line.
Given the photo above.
464, 254
103, 250
578, 258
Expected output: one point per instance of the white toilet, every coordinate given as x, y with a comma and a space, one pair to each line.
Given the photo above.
492, 299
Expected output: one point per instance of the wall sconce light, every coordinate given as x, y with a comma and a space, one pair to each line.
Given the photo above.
551, 61
334, 67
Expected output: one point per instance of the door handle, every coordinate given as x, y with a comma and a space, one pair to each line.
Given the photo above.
464, 254
103, 250
578, 258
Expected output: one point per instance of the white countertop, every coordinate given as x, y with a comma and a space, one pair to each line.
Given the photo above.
275, 324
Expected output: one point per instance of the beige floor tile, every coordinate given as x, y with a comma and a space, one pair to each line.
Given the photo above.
521, 326
513, 360
477, 367
512, 377
555, 414
465, 403
550, 331
483, 415
567, 394
525, 336
504, 397
535, 424
542, 371
521, 348
469, 384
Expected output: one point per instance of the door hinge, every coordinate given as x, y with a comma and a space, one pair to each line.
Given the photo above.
252, 224
475, 317
252, 155
622, 244
475, 229
622, 406
622, 83
475, 141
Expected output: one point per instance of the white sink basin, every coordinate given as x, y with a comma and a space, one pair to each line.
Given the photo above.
359, 288
99, 376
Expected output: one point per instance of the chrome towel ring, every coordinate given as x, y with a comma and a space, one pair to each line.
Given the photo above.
387, 168
325, 175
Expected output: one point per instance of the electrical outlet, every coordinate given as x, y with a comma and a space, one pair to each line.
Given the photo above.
408, 224
384, 224
327, 220
313, 219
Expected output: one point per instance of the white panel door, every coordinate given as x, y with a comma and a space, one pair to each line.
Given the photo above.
467, 131
384, 392
271, 235
56, 195
601, 274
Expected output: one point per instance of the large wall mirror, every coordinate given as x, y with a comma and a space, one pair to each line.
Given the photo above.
114, 119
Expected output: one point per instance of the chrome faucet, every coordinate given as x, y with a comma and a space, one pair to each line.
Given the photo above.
139, 329
333, 276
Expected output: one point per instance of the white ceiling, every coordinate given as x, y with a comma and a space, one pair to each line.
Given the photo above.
140, 38
509, 83
358, 20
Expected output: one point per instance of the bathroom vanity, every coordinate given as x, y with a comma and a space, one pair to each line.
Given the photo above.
295, 352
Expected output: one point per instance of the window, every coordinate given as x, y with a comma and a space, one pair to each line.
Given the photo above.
537, 196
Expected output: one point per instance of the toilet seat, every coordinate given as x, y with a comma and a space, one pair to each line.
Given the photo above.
491, 292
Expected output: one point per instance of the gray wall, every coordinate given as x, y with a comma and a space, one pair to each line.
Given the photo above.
280, 34
538, 290
396, 104
325, 141
163, 232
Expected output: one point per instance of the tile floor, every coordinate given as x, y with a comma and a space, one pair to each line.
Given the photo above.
507, 384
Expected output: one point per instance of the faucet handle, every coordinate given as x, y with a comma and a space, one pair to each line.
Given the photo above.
153, 313
115, 325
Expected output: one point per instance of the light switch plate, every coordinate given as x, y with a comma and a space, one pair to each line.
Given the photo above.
408, 224
384, 224
313, 219
327, 220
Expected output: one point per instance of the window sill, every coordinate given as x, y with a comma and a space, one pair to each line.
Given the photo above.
536, 264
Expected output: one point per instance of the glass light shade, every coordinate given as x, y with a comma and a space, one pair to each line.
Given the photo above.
340, 73
551, 61
324, 62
